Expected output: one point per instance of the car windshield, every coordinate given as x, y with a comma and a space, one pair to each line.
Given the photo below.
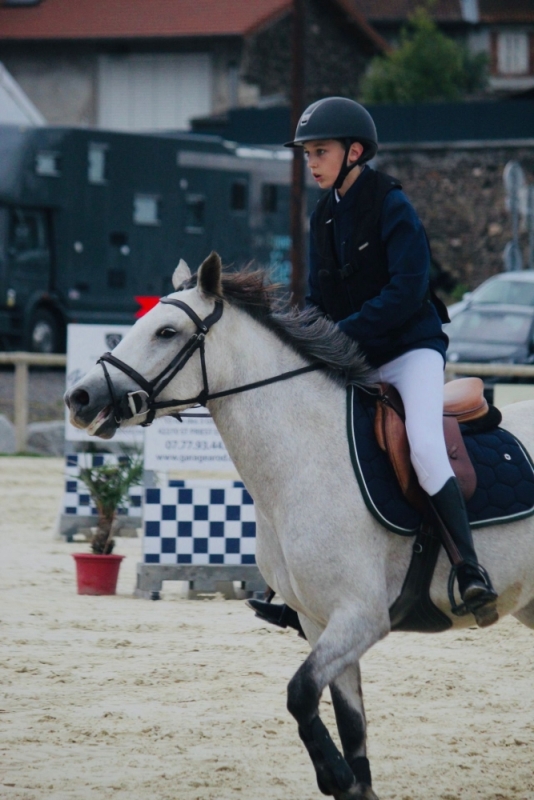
499, 327
512, 293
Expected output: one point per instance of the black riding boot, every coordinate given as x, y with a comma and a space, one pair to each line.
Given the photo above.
478, 595
277, 614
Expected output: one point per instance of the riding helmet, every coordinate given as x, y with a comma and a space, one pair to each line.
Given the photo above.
337, 118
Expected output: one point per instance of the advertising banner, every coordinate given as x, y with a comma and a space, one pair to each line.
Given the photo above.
194, 444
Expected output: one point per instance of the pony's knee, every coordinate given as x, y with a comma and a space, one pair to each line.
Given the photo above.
303, 694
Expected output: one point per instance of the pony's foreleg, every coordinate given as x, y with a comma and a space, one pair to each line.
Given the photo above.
347, 699
346, 638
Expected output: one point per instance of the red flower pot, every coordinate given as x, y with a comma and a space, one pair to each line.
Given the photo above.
97, 574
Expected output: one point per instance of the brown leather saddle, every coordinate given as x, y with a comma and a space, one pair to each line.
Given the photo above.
463, 401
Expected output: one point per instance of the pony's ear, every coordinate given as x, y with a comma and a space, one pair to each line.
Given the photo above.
181, 274
209, 275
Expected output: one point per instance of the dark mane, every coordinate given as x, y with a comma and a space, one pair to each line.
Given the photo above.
309, 332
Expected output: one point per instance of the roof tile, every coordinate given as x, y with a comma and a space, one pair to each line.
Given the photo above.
109, 19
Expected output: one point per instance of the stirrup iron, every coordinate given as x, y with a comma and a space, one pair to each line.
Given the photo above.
462, 609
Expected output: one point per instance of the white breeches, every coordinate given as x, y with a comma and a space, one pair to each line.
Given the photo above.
418, 377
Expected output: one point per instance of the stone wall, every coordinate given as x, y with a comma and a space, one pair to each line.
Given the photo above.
459, 195
336, 56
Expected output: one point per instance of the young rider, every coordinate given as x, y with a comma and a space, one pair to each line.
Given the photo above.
369, 271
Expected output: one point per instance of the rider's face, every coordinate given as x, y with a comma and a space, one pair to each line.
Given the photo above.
324, 160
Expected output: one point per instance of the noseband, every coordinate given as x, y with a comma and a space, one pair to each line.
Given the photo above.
144, 400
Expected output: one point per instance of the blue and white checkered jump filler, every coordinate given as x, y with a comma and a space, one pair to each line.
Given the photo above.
77, 501
199, 522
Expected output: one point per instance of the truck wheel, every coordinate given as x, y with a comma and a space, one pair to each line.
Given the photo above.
44, 333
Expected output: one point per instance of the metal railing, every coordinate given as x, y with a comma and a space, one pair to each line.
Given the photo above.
484, 370
21, 362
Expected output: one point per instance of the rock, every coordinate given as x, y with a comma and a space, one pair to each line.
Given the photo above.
46, 438
7, 435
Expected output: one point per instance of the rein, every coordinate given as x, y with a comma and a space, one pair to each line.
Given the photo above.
144, 400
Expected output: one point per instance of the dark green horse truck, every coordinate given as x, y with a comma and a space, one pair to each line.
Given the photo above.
93, 223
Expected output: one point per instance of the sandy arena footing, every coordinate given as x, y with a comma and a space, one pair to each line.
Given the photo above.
124, 699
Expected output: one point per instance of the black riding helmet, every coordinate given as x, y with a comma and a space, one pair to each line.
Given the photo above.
338, 118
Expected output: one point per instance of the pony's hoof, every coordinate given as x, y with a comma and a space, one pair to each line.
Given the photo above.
360, 791
368, 793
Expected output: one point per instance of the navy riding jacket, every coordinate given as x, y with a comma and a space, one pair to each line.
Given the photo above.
398, 319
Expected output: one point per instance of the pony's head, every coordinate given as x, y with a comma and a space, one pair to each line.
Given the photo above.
170, 339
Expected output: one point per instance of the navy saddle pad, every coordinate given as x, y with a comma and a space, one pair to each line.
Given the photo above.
505, 473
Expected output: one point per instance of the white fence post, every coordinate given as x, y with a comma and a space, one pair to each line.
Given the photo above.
21, 405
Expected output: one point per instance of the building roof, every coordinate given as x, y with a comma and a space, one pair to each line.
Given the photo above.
396, 11
112, 19
489, 11
139, 19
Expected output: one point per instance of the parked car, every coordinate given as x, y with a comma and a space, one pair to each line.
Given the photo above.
493, 333
512, 288
501, 334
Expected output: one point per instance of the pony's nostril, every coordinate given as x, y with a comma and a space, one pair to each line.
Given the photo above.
79, 397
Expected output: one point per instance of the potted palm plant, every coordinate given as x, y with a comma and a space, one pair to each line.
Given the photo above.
108, 485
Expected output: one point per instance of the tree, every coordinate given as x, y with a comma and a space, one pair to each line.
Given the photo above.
427, 66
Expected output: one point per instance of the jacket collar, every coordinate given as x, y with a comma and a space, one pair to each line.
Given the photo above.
351, 197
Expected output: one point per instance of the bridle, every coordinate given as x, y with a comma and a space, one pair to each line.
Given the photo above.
144, 400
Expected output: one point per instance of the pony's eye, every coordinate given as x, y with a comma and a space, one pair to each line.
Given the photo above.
166, 333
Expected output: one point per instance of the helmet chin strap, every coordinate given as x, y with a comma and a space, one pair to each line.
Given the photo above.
345, 167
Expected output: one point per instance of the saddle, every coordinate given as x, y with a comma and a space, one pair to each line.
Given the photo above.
463, 402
